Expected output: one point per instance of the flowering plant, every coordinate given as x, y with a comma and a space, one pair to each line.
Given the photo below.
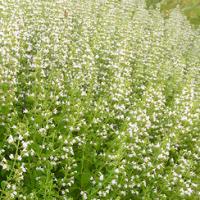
98, 100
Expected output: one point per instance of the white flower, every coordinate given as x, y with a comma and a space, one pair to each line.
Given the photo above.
25, 111
117, 171
11, 156
101, 178
114, 182
25, 144
23, 168
20, 137
10, 139
84, 195
183, 118
19, 158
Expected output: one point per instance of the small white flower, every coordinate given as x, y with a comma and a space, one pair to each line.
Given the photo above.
117, 171
25, 111
24, 144
19, 158
84, 195
183, 118
114, 182
14, 187
101, 178
11, 156
23, 168
10, 139
20, 137
60, 137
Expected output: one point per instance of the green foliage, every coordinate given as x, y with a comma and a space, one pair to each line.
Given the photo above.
191, 8
99, 100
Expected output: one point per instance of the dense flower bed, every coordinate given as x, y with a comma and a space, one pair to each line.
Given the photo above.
98, 100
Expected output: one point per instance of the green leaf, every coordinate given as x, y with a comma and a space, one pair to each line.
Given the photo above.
85, 179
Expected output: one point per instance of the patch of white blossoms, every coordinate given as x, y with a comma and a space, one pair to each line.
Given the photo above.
98, 100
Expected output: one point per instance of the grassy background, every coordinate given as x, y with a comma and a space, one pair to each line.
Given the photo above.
191, 8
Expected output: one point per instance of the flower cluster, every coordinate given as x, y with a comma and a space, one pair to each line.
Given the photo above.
98, 100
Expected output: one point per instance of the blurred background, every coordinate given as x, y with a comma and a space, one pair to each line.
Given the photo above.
191, 8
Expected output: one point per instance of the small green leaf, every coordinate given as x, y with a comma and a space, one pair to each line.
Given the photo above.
85, 178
